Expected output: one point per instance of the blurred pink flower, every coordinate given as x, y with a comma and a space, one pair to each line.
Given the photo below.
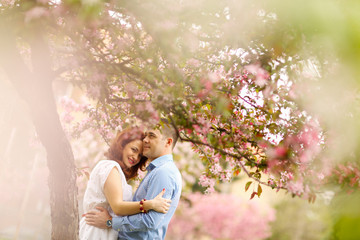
7, 3
296, 187
36, 12
221, 216
216, 169
261, 74
193, 62
280, 151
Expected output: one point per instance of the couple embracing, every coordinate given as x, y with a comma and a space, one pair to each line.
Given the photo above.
111, 212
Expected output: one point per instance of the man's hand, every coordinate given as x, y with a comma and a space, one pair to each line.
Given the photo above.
97, 218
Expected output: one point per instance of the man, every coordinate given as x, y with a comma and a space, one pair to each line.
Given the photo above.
162, 174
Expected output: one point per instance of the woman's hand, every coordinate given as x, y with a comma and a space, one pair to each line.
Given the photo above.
158, 204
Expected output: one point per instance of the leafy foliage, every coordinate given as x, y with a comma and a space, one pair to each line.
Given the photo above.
227, 87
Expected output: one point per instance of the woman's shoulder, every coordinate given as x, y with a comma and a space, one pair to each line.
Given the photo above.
106, 164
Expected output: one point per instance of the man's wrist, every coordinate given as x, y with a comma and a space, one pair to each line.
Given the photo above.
109, 222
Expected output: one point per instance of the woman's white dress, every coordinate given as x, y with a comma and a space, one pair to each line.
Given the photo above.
94, 197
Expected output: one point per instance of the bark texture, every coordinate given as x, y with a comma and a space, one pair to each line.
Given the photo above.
34, 85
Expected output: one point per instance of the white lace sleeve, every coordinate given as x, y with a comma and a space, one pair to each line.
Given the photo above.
94, 195
103, 170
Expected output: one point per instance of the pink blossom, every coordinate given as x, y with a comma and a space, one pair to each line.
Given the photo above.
262, 75
280, 151
226, 177
193, 62
196, 128
305, 157
296, 187
35, 13
285, 176
353, 181
7, 3
197, 101
267, 91
216, 158
130, 89
210, 190
207, 182
293, 92
214, 77
110, 135
167, 25
67, 118
216, 168
221, 216
263, 144
93, 91
271, 181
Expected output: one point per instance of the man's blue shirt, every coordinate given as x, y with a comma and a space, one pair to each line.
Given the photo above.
162, 173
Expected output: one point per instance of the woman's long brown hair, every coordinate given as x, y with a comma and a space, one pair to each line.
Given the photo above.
115, 151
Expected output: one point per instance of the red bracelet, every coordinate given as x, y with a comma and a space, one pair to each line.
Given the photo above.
142, 209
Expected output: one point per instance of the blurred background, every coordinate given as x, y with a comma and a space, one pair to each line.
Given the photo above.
229, 214
322, 36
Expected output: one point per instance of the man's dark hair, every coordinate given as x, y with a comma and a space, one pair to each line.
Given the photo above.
168, 130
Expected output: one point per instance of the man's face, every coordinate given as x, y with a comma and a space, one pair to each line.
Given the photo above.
154, 144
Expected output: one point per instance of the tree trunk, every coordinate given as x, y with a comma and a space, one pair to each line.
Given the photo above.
35, 87
62, 177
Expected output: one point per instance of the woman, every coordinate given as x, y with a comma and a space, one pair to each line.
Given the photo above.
108, 188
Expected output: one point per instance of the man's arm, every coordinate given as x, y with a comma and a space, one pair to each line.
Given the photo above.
97, 218
152, 219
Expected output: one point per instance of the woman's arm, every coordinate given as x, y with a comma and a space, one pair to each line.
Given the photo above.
114, 195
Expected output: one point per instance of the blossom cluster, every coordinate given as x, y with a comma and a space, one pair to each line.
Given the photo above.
346, 175
220, 216
237, 107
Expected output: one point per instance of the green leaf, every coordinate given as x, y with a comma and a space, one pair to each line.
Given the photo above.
247, 186
257, 175
259, 191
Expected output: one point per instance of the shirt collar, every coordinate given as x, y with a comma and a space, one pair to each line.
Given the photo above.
159, 161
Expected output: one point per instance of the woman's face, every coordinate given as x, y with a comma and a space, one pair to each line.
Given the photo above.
132, 153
